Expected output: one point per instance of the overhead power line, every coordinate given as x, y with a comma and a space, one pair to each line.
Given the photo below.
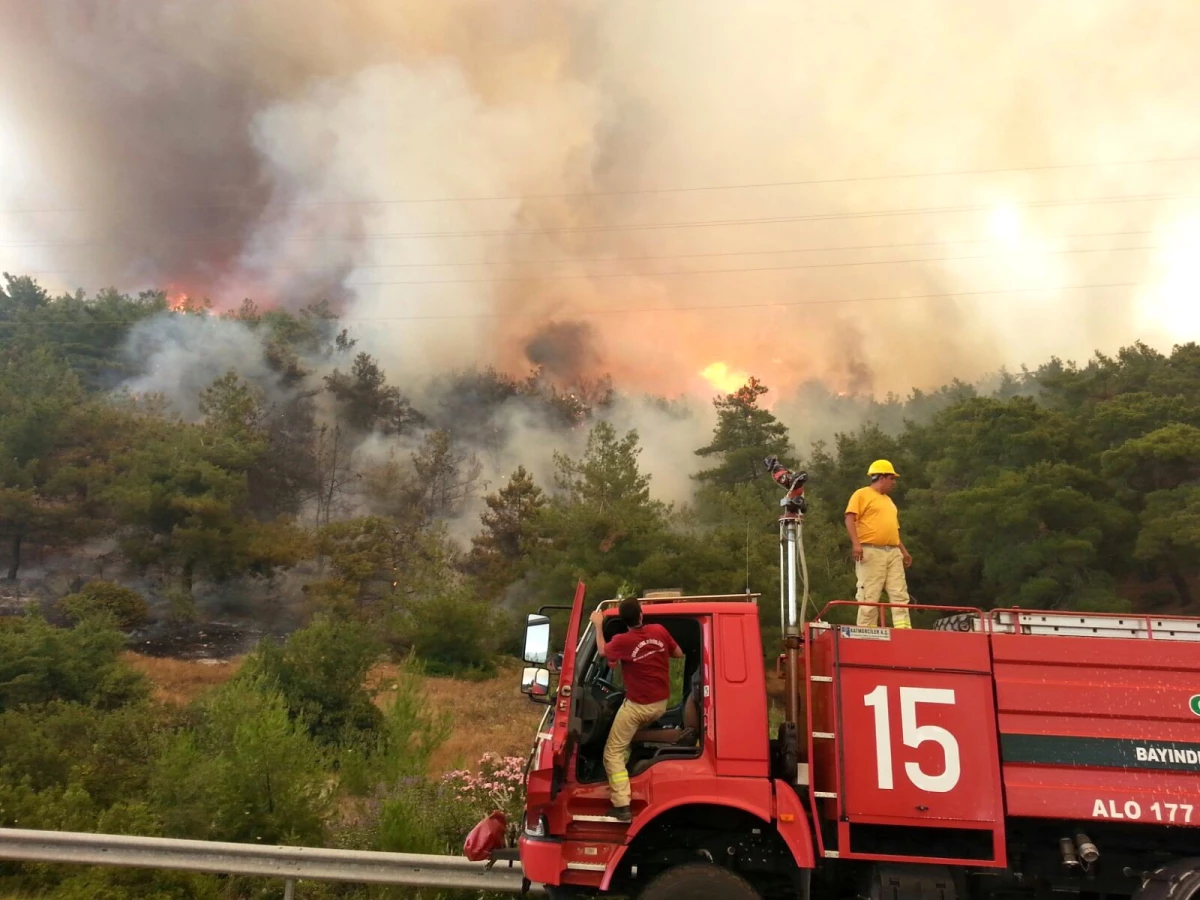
653, 226
647, 257
848, 179
839, 265
782, 304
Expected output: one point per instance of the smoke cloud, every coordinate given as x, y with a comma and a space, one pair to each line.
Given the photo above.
480, 183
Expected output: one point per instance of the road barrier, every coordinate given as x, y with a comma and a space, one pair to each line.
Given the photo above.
289, 863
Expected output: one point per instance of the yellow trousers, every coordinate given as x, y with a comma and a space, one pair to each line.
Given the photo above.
631, 717
881, 569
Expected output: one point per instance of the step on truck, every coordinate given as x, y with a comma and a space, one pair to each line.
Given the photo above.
1000, 753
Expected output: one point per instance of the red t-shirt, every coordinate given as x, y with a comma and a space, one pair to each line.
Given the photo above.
645, 657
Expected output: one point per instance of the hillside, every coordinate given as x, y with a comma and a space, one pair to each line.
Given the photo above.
487, 716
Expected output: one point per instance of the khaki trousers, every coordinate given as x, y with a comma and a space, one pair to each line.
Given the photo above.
630, 718
881, 569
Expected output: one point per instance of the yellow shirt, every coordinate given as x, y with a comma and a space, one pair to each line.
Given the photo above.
877, 519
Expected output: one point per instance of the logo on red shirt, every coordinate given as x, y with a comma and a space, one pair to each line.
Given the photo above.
647, 648
645, 658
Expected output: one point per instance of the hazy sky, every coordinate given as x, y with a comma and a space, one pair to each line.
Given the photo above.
647, 187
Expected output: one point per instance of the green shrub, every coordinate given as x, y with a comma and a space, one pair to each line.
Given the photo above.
101, 883
79, 883
499, 784
452, 631
410, 732
40, 663
320, 672
245, 772
420, 816
105, 753
125, 605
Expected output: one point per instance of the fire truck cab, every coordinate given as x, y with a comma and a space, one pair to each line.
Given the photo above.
1002, 752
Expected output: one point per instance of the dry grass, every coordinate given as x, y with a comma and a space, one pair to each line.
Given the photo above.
180, 681
490, 715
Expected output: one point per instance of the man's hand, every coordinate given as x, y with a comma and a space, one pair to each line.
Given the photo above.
907, 558
597, 618
852, 532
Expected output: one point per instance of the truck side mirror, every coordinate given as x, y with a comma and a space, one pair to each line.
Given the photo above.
535, 682
537, 639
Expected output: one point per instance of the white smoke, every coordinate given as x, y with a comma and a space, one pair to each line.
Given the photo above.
180, 356
360, 149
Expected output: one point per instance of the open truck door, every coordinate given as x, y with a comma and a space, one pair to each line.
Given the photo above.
552, 753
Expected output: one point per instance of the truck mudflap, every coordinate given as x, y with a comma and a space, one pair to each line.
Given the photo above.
793, 825
1179, 880
1102, 729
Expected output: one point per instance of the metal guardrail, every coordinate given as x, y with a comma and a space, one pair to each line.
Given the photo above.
290, 863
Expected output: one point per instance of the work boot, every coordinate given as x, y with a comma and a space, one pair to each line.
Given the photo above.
620, 813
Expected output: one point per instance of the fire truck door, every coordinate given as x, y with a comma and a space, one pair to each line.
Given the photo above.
565, 728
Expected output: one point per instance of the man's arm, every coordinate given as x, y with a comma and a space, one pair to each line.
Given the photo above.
852, 530
598, 624
673, 649
904, 553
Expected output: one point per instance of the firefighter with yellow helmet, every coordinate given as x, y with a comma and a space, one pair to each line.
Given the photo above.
873, 523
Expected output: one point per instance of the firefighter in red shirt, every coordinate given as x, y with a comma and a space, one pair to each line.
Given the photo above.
644, 652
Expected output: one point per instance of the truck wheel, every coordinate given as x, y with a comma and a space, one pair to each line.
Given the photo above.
957, 622
1180, 880
702, 881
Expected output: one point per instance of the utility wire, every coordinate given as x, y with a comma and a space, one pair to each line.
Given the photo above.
653, 226
560, 276
643, 191
839, 265
607, 259
779, 304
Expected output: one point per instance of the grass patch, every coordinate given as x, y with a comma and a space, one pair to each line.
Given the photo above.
487, 715
180, 681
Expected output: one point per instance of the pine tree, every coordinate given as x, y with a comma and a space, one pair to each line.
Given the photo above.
445, 478
745, 434
602, 521
500, 551
368, 402
51, 446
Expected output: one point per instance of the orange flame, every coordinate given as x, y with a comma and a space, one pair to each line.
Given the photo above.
723, 378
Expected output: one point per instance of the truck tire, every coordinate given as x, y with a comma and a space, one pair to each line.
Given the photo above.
1179, 880
698, 881
787, 752
957, 622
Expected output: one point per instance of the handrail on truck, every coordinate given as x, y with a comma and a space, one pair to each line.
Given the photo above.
947, 609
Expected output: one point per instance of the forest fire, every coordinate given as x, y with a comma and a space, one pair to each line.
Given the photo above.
723, 378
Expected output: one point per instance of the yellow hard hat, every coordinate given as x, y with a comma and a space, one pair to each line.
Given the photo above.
882, 467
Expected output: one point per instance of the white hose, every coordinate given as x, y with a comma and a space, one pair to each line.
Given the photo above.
803, 571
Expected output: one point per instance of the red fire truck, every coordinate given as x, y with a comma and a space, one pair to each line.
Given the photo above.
1001, 752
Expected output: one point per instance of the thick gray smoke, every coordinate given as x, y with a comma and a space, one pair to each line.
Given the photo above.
490, 183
